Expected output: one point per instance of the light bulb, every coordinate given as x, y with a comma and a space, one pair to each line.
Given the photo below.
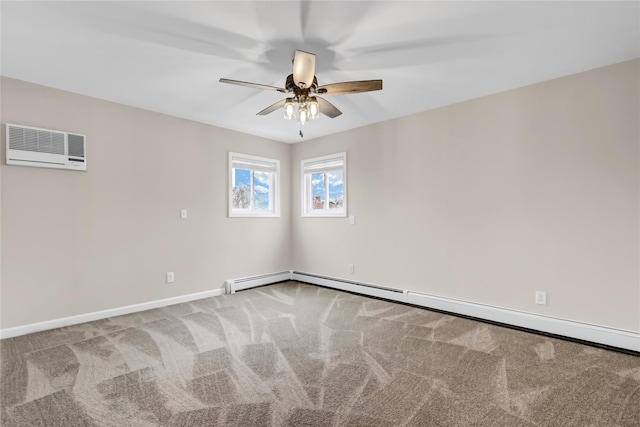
313, 108
288, 109
302, 111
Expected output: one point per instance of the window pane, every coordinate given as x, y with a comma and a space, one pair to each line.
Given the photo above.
324, 186
241, 188
336, 189
261, 189
254, 186
317, 190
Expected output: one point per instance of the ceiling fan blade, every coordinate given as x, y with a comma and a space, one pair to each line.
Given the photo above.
254, 85
272, 108
304, 68
327, 108
350, 87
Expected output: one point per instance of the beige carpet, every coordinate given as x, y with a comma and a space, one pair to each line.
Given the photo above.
292, 354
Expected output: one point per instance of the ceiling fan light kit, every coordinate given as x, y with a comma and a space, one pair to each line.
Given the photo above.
308, 108
303, 84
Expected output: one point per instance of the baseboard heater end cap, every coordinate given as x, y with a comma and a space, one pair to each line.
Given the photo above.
228, 287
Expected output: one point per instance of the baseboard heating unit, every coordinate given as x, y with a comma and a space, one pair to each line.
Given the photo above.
350, 286
233, 285
562, 328
589, 333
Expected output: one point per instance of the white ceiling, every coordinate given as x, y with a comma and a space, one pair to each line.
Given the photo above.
169, 56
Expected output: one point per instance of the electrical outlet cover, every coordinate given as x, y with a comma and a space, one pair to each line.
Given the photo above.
541, 297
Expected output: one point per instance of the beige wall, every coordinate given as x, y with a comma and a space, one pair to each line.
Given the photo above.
492, 199
484, 201
79, 242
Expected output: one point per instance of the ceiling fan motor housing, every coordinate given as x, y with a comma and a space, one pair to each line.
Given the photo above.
291, 86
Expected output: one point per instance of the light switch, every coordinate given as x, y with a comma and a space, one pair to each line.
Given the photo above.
183, 214
352, 219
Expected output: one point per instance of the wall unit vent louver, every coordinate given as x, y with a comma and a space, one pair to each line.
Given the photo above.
45, 148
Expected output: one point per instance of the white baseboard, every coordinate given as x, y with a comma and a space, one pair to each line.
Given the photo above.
89, 317
231, 286
562, 327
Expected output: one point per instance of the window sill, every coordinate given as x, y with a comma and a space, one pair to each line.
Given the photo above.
325, 215
253, 215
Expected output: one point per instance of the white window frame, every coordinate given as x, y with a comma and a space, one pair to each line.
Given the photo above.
332, 162
255, 163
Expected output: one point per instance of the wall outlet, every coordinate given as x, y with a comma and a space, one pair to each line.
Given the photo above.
351, 268
171, 277
541, 297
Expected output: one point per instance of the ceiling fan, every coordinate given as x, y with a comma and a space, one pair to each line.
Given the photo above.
303, 84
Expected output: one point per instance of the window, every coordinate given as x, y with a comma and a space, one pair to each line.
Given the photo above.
324, 186
254, 187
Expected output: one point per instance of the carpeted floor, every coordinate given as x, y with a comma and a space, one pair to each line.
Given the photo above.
292, 354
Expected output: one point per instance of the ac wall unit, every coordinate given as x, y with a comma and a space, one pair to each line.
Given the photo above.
45, 148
